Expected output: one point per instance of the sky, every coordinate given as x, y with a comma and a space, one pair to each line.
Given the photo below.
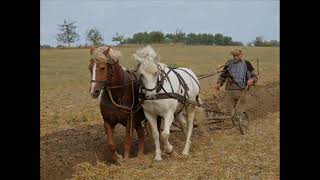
243, 20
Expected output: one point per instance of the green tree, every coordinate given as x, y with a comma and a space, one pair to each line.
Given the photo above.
169, 37
227, 40
206, 39
146, 38
275, 43
236, 43
259, 41
179, 36
138, 37
67, 33
219, 40
191, 38
94, 37
118, 38
156, 36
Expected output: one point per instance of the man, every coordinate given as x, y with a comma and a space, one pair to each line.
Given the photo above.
238, 74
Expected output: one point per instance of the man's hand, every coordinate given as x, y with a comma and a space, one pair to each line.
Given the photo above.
250, 82
217, 87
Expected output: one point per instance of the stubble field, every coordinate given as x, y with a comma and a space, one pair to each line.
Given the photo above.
73, 140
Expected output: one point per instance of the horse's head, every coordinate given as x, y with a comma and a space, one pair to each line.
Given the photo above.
148, 70
100, 68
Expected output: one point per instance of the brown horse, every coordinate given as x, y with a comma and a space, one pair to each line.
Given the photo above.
119, 99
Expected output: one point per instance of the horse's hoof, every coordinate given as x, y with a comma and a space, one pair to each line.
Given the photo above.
173, 153
158, 158
119, 162
168, 151
186, 153
119, 159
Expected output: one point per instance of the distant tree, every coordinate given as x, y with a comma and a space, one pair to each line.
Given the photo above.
146, 38
156, 36
236, 43
169, 37
45, 46
219, 40
210, 39
259, 41
118, 38
94, 37
192, 38
227, 40
128, 41
249, 44
138, 37
275, 43
179, 36
60, 46
67, 34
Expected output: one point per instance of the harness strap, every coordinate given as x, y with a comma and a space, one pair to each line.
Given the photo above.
127, 109
191, 77
176, 96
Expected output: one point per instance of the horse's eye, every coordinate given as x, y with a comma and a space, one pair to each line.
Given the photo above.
102, 68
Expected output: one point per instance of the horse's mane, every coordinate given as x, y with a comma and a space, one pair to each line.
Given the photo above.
115, 55
148, 53
150, 59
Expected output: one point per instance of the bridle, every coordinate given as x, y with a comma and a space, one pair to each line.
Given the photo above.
109, 66
159, 85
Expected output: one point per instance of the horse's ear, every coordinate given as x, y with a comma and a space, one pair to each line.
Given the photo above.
91, 50
137, 58
106, 52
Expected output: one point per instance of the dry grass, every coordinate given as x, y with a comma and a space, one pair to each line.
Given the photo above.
217, 156
73, 139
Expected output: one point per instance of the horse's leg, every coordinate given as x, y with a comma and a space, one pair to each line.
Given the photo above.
190, 109
140, 133
108, 129
152, 119
166, 132
128, 139
182, 121
159, 123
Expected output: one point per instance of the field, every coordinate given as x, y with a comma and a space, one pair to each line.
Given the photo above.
73, 140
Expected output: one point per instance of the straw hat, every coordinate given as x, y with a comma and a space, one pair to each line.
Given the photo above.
236, 52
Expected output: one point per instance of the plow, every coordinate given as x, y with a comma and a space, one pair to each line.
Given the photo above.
216, 119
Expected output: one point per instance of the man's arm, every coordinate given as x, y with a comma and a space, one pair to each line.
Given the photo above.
223, 76
253, 76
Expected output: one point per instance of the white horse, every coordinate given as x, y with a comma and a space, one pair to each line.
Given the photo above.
149, 68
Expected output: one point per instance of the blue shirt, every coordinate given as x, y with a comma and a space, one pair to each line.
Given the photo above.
237, 70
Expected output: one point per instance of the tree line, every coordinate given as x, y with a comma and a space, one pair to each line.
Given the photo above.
178, 37
67, 35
